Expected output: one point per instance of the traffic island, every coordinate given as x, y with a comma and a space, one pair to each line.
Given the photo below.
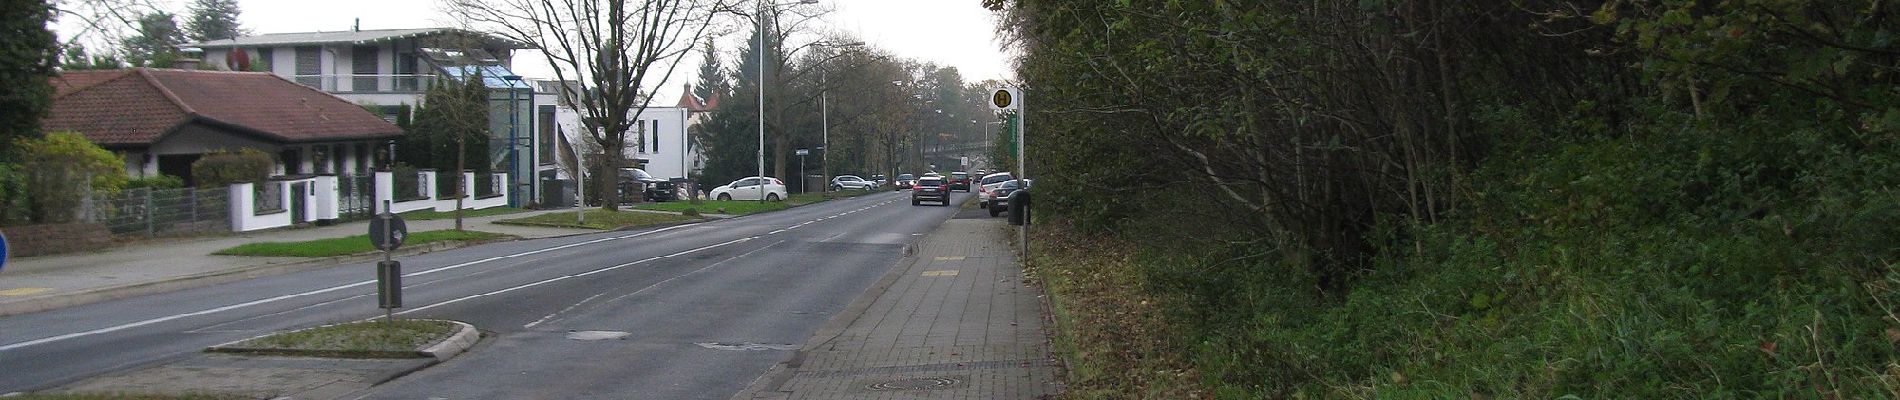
327, 362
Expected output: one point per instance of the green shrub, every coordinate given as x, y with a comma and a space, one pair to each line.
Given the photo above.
221, 168
156, 182
60, 169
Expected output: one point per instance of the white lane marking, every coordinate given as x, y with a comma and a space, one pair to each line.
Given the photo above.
268, 300
558, 278
550, 317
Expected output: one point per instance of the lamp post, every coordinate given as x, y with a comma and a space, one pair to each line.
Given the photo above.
758, 21
824, 119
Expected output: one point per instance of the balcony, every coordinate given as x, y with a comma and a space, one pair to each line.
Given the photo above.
356, 83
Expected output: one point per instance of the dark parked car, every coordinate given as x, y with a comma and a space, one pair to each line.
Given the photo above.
636, 182
931, 188
1001, 201
960, 181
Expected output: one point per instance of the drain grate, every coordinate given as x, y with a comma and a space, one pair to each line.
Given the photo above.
914, 384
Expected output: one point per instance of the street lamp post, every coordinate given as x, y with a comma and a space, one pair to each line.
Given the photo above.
824, 119
758, 21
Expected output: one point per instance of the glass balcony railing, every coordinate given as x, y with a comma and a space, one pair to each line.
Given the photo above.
359, 83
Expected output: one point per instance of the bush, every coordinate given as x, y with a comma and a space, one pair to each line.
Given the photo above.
221, 168
60, 169
156, 182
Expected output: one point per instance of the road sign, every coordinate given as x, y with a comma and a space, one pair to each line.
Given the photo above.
387, 231
802, 152
1003, 98
4, 250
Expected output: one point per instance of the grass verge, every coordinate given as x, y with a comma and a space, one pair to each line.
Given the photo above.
600, 219
361, 339
425, 215
348, 245
1110, 330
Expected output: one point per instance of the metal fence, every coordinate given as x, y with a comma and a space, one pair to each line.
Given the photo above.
356, 196
148, 212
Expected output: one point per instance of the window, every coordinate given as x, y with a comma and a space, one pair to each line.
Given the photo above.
363, 65
545, 124
264, 56
640, 135
309, 69
656, 136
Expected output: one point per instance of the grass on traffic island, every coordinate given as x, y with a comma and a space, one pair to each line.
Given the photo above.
406, 338
600, 219
350, 245
425, 215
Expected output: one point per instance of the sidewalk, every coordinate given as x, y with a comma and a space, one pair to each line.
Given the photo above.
32, 284
952, 321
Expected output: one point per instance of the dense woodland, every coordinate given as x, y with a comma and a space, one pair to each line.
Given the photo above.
1518, 199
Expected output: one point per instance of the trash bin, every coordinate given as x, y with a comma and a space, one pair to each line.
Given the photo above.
1019, 207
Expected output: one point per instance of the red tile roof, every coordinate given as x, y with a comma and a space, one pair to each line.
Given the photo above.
139, 106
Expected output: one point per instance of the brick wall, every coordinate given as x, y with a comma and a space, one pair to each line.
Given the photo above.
34, 240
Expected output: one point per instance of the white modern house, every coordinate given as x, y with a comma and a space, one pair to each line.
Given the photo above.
657, 142
388, 70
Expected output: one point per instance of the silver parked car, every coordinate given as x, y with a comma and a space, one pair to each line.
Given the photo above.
853, 182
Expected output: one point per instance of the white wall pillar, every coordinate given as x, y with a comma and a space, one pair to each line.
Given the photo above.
325, 206
241, 203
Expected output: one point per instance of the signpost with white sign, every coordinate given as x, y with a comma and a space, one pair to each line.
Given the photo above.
1010, 98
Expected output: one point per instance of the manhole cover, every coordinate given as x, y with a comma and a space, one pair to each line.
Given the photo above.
597, 335
914, 384
747, 346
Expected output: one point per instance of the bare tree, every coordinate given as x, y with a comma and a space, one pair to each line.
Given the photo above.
612, 47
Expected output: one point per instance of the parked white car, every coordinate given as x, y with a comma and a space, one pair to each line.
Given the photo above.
748, 189
843, 182
986, 187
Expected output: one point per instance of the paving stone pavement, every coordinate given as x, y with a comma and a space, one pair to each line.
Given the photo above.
956, 323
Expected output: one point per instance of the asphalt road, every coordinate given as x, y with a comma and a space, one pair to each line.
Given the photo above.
704, 308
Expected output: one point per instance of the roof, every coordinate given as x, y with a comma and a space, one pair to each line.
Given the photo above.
693, 103
342, 37
139, 106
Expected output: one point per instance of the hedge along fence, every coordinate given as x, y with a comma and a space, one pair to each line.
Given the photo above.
222, 168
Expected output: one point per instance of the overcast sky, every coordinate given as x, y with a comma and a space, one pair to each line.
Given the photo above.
959, 33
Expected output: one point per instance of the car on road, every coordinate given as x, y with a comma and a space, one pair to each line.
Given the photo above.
852, 182
931, 188
988, 183
748, 189
1001, 203
877, 180
905, 181
960, 181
